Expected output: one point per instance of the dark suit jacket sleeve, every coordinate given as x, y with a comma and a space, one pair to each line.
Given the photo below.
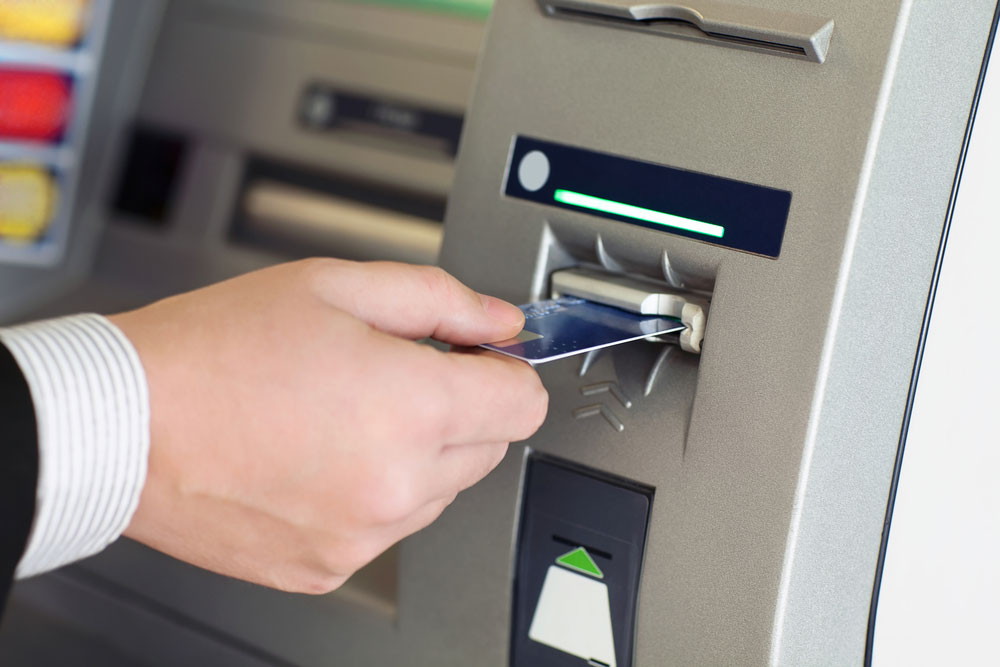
18, 468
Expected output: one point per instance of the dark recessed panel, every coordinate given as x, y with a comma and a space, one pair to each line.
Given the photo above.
324, 108
150, 174
579, 560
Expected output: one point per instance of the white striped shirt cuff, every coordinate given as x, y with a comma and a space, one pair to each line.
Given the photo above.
92, 408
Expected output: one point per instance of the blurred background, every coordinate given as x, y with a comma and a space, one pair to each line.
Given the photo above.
152, 146
149, 147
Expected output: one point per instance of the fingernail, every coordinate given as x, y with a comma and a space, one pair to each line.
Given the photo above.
501, 311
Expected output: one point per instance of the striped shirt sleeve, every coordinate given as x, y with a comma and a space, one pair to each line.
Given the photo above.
92, 411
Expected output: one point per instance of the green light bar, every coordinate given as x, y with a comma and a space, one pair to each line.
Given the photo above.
477, 9
639, 213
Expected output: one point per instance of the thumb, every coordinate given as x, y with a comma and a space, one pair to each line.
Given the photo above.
420, 301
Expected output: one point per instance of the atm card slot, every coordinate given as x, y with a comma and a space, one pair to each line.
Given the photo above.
783, 32
637, 295
560, 328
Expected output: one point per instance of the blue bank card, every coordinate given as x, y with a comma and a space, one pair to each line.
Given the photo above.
563, 327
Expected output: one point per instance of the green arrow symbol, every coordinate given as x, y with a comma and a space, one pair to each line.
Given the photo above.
579, 560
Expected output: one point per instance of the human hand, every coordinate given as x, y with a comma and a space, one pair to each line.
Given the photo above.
296, 429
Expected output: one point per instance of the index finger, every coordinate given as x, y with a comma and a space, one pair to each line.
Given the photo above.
419, 301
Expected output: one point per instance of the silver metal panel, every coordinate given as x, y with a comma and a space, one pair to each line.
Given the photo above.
941, 584
901, 208
772, 455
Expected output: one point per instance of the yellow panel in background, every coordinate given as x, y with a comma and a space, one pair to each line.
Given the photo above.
52, 22
27, 202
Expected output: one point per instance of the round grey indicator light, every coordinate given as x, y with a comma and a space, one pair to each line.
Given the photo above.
533, 171
319, 108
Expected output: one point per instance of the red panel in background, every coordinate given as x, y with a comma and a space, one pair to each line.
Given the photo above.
34, 105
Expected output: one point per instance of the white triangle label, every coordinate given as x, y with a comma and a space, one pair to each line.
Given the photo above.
574, 616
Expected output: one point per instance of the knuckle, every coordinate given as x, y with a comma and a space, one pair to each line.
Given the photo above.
541, 403
429, 514
308, 579
316, 272
356, 554
389, 498
499, 455
316, 266
436, 510
441, 285
322, 584
484, 467
432, 412
434, 278
335, 560
435, 421
536, 407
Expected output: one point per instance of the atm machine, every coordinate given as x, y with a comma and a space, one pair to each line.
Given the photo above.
69, 72
803, 477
